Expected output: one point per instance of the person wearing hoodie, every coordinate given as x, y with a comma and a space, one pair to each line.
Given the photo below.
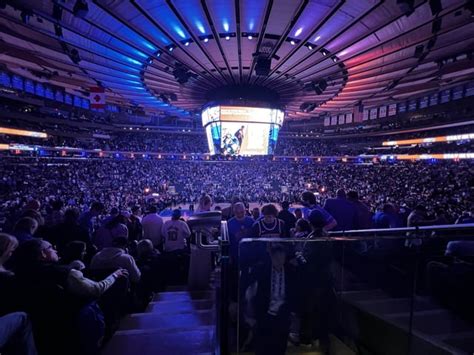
116, 257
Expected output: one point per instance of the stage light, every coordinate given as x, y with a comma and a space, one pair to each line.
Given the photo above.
186, 43
158, 54
170, 48
324, 52
310, 47
227, 38
334, 59
250, 37
292, 42
206, 39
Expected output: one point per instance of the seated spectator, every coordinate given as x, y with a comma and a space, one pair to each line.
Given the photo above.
68, 231
62, 298
16, 334
74, 255
116, 257
298, 213
8, 244
152, 266
115, 228
135, 228
24, 229
39, 259
302, 229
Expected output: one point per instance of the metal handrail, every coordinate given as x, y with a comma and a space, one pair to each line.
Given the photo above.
406, 229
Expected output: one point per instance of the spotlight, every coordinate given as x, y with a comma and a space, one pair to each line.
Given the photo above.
186, 43
227, 38
81, 8
335, 59
292, 42
150, 61
170, 48
158, 54
310, 47
324, 52
250, 37
206, 39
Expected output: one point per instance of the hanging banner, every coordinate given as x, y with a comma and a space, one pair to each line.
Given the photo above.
97, 97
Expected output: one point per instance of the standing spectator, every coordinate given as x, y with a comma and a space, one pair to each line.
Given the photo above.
343, 211
363, 215
240, 227
152, 225
269, 226
55, 216
273, 288
286, 216
387, 218
256, 213
175, 233
86, 220
309, 201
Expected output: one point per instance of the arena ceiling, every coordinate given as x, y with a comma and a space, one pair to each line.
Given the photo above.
368, 51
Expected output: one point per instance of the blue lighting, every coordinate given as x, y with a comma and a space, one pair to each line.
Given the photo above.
179, 31
131, 60
298, 31
200, 27
225, 25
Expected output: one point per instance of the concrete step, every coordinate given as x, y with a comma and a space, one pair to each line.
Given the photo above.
156, 341
182, 296
178, 321
185, 306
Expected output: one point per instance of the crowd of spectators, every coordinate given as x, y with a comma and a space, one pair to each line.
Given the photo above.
130, 182
87, 239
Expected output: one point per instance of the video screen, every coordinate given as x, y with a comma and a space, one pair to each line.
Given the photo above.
233, 130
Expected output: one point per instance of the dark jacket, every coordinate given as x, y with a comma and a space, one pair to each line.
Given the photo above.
262, 275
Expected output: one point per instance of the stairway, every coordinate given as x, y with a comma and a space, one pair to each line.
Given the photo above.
176, 322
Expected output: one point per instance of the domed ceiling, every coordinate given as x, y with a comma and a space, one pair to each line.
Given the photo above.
169, 55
